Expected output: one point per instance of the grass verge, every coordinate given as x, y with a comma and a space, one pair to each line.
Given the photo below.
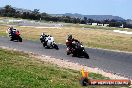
19, 70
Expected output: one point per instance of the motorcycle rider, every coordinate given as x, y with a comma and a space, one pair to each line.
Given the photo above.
9, 30
69, 43
43, 38
12, 32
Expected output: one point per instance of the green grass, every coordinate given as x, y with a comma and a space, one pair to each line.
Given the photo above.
19, 70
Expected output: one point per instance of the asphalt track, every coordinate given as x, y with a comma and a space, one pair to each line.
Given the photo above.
110, 61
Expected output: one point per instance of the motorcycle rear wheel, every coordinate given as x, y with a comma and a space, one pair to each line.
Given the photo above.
20, 39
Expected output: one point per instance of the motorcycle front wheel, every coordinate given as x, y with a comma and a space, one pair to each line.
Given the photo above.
86, 55
56, 47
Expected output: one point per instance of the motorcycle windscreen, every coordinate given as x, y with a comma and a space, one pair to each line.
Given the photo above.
49, 40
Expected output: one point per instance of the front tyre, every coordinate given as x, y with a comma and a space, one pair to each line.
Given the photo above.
86, 55
56, 47
11, 39
44, 44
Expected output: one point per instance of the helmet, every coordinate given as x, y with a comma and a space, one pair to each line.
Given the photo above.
43, 33
69, 37
11, 27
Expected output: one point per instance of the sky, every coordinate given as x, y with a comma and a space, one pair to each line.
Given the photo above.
120, 8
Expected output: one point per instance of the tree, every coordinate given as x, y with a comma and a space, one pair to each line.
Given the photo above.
90, 20
36, 11
85, 20
115, 24
9, 11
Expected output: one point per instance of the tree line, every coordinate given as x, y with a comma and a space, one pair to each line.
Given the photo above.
9, 11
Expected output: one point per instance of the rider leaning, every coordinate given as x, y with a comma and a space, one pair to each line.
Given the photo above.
12, 31
69, 41
43, 37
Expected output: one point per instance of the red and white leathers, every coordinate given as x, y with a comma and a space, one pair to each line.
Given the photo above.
69, 44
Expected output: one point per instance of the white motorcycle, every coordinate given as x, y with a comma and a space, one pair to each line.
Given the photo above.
49, 43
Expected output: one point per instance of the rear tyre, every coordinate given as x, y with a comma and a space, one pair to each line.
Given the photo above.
68, 53
75, 54
20, 39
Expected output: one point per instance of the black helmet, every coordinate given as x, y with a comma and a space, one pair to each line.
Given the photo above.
69, 36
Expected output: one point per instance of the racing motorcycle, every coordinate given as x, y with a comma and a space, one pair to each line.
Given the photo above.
15, 36
49, 42
77, 50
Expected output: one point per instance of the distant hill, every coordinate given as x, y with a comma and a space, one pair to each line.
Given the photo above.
95, 17
76, 15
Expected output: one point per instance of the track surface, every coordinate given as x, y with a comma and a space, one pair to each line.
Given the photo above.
115, 62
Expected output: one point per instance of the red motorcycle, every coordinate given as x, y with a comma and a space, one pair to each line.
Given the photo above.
15, 36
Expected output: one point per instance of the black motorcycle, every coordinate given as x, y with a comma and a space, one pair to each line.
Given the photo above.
77, 50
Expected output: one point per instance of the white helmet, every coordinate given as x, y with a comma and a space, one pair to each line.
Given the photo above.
43, 33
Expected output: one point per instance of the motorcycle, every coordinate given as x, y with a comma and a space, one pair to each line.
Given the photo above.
15, 37
48, 42
77, 50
